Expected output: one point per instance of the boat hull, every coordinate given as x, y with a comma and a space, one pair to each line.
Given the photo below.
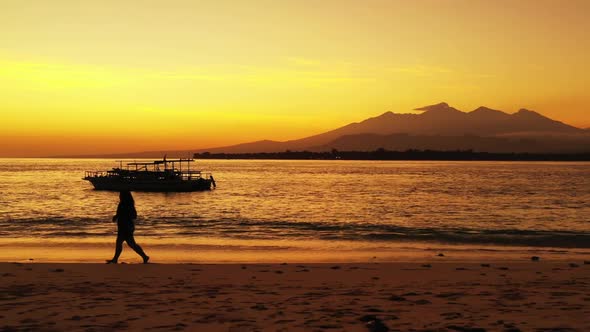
118, 184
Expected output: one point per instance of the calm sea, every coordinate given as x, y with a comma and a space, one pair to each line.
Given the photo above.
312, 206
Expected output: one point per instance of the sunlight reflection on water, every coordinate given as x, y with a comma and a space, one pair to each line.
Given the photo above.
455, 202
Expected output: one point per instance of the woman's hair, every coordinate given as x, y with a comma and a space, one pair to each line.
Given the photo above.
126, 198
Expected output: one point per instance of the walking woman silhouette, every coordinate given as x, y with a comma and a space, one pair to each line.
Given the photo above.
125, 219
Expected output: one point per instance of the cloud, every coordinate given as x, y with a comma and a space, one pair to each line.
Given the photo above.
294, 72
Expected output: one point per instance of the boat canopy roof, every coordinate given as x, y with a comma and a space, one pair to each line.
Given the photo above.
159, 162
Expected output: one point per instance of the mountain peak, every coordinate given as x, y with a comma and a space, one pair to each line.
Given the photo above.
484, 109
528, 113
524, 110
387, 116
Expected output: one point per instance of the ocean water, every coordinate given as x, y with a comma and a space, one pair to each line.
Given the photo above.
270, 208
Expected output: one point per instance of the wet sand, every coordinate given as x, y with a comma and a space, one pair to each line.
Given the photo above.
429, 296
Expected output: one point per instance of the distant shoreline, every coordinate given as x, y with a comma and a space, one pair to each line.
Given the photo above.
413, 155
377, 155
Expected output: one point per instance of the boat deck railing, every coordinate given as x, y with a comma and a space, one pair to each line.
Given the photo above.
95, 174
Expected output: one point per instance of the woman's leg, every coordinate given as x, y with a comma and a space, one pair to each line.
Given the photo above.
118, 249
131, 242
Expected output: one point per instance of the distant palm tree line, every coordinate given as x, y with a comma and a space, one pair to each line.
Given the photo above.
383, 154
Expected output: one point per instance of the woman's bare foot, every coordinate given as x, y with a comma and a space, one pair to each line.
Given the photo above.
146, 259
110, 261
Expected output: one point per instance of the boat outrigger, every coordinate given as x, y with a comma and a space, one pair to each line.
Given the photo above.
159, 176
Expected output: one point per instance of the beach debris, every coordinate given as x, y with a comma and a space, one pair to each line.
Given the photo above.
30, 259
441, 255
485, 265
422, 302
374, 324
426, 265
460, 269
535, 258
335, 267
574, 265
586, 262
57, 270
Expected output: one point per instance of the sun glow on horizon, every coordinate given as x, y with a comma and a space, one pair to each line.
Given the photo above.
115, 77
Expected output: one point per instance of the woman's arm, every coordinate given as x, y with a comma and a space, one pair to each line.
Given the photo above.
116, 216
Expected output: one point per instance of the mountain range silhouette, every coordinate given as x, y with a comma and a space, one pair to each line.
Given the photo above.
438, 127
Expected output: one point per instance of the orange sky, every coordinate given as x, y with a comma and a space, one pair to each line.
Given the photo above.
114, 76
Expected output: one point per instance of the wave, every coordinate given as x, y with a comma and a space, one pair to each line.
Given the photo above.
281, 230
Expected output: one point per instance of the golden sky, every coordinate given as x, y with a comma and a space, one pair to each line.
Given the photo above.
113, 76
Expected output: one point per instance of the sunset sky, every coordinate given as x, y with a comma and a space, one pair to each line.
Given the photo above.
114, 76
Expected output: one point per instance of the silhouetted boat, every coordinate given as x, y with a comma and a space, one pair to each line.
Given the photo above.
158, 175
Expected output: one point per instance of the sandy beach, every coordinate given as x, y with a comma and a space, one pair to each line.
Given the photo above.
432, 296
